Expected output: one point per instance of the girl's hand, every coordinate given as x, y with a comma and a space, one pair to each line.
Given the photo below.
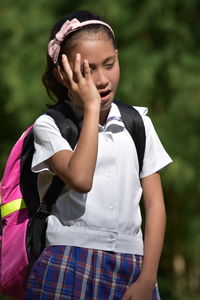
81, 89
139, 291
76, 168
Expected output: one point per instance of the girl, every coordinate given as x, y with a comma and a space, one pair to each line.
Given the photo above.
94, 241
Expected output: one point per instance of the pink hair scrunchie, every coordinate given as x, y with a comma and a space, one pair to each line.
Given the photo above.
67, 28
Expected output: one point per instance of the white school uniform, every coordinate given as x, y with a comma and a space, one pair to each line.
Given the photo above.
108, 217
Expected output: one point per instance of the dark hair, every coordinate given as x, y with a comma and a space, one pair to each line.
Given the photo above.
55, 90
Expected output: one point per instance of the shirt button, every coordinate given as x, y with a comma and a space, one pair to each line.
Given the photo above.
111, 207
111, 236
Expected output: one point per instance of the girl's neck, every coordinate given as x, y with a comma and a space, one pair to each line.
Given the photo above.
79, 113
103, 116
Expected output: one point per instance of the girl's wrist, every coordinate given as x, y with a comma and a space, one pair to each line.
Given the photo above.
147, 280
92, 107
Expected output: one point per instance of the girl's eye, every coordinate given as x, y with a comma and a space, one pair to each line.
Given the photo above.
109, 66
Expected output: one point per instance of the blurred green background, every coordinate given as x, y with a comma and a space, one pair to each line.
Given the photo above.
159, 53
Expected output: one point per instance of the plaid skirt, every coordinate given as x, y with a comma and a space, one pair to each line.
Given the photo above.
63, 272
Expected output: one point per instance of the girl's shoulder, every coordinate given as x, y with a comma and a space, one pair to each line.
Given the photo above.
44, 118
148, 124
142, 110
45, 123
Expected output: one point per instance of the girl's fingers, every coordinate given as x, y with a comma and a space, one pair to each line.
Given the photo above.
86, 69
67, 68
60, 73
77, 68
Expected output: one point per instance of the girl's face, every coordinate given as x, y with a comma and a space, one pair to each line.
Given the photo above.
98, 49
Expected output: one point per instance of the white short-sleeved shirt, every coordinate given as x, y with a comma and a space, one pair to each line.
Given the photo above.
108, 217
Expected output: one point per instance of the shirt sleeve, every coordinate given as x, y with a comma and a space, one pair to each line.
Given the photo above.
155, 157
47, 141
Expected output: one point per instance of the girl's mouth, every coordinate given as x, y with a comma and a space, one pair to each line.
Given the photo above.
105, 95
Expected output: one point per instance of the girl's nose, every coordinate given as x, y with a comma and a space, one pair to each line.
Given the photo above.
101, 81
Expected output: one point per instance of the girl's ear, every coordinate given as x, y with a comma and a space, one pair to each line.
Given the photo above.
117, 52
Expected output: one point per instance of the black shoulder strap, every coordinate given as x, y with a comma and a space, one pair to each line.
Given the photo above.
135, 126
68, 125
69, 128
66, 121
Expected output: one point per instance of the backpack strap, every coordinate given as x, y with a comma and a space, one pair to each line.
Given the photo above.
135, 126
36, 231
68, 125
66, 121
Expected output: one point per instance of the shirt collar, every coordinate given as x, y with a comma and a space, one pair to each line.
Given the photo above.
114, 121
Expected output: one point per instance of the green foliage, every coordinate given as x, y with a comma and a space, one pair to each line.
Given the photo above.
159, 55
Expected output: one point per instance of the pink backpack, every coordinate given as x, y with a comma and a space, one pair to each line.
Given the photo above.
14, 215
23, 216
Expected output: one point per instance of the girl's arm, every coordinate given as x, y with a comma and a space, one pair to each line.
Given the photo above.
155, 222
77, 168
